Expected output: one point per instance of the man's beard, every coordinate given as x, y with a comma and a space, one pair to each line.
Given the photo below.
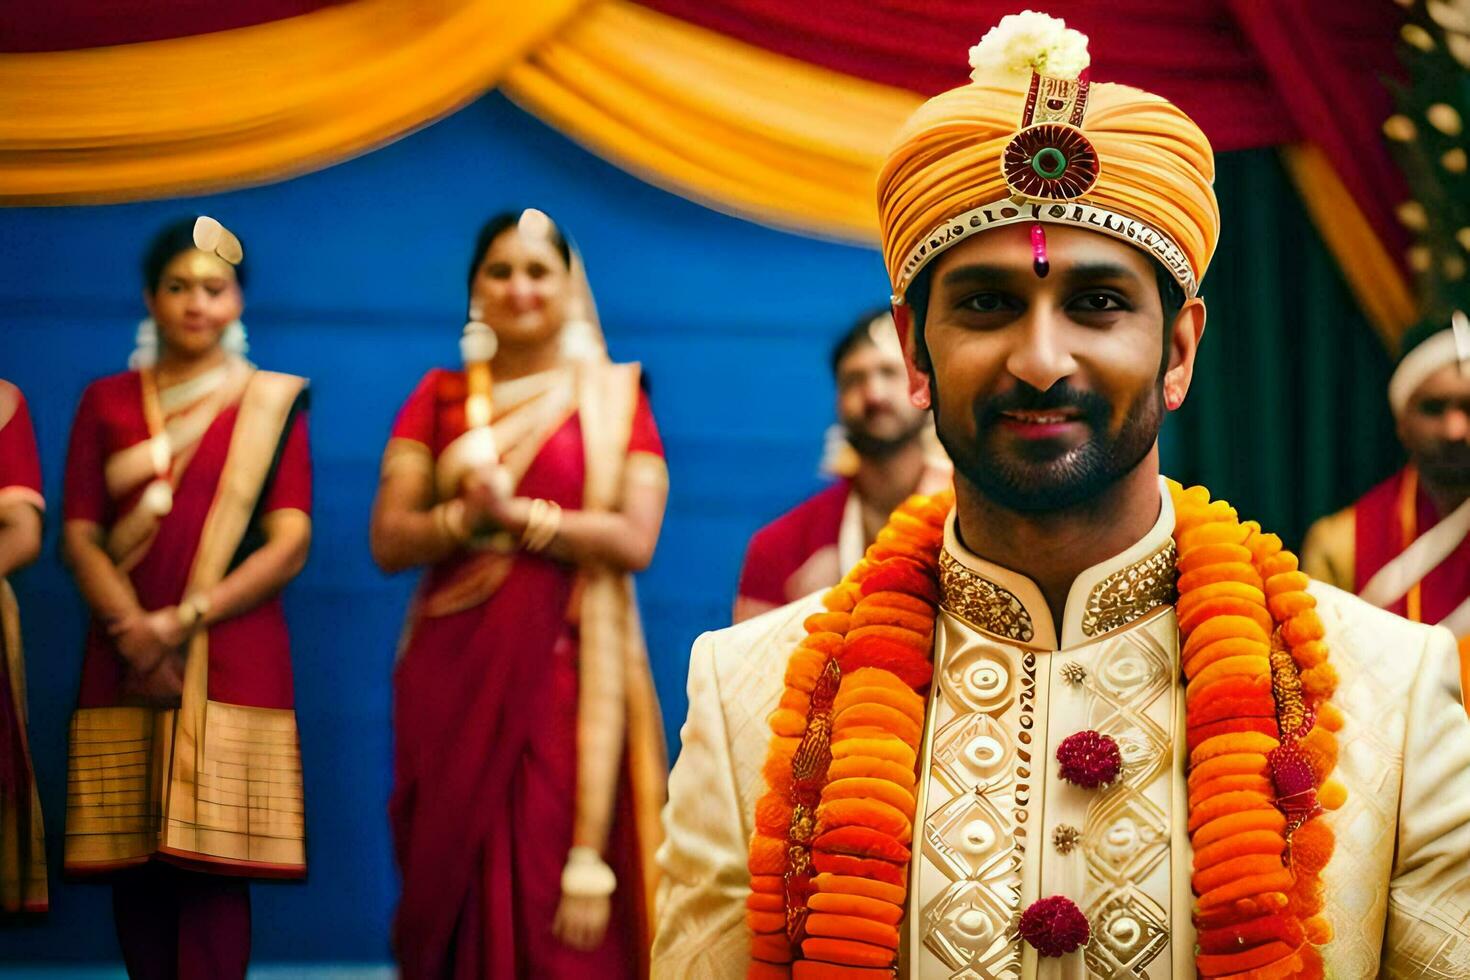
870, 446
1049, 481
1445, 465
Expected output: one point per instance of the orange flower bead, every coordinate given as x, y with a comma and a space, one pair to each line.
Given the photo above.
873, 814
903, 700
846, 951
1233, 646
1224, 627
860, 905
889, 749
862, 842
866, 887
1239, 845
1243, 573
771, 948
767, 855
1212, 554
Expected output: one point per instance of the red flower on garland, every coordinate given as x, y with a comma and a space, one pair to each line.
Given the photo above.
1296, 784
1055, 926
1089, 759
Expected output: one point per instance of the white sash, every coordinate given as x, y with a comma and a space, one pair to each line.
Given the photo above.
1421, 557
852, 538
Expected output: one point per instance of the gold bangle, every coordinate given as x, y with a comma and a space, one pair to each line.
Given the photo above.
192, 611
553, 524
543, 522
534, 518
449, 516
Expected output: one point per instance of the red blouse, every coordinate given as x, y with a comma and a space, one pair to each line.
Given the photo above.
249, 655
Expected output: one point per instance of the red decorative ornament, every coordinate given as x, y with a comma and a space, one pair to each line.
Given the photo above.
1089, 759
1050, 162
1040, 261
1055, 926
1296, 784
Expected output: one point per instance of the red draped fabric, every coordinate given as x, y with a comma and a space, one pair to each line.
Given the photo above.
20, 479
249, 654
485, 762
22, 865
1250, 73
778, 550
66, 25
1328, 60
20, 464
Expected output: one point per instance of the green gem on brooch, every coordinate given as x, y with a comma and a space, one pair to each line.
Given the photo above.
1049, 163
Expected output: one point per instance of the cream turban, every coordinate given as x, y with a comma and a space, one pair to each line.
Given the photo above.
1107, 157
1426, 348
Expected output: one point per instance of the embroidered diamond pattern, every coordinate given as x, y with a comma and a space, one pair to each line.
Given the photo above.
973, 752
1126, 838
969, 930
1128, 932
969, 839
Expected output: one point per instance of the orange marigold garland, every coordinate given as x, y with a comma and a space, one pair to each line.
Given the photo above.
1261, 744
831, 846
829, 857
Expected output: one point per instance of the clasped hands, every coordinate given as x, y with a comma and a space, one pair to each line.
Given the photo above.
152, 644
490, 503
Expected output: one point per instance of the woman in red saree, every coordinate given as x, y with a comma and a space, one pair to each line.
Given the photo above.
188, 490
529, 766
22, 848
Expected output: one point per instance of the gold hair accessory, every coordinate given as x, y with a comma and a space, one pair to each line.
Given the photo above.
535, 223
213, 237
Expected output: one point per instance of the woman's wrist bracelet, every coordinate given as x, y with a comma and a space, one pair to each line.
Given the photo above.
543, 523
587, 875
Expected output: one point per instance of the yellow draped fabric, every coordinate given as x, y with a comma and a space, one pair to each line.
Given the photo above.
1371, 272
725, 123
234, 107
757, 134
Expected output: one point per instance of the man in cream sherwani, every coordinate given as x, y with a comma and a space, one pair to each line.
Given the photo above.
1045, 240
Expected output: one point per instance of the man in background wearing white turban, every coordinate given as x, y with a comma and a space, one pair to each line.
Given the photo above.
1405, 545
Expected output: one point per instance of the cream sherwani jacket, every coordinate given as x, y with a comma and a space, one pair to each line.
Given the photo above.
998, 829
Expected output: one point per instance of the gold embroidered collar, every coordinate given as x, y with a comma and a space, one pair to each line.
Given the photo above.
1108, 596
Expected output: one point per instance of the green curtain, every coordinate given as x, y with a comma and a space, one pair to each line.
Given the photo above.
1288, 415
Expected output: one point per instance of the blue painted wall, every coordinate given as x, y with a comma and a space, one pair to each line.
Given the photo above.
358, 282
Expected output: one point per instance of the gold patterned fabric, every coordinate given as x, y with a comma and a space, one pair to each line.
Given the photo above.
999, 829
23, 885
247, 808
976, 599
1131, 593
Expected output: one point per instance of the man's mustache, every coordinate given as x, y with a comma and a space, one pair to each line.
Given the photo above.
1452, 453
